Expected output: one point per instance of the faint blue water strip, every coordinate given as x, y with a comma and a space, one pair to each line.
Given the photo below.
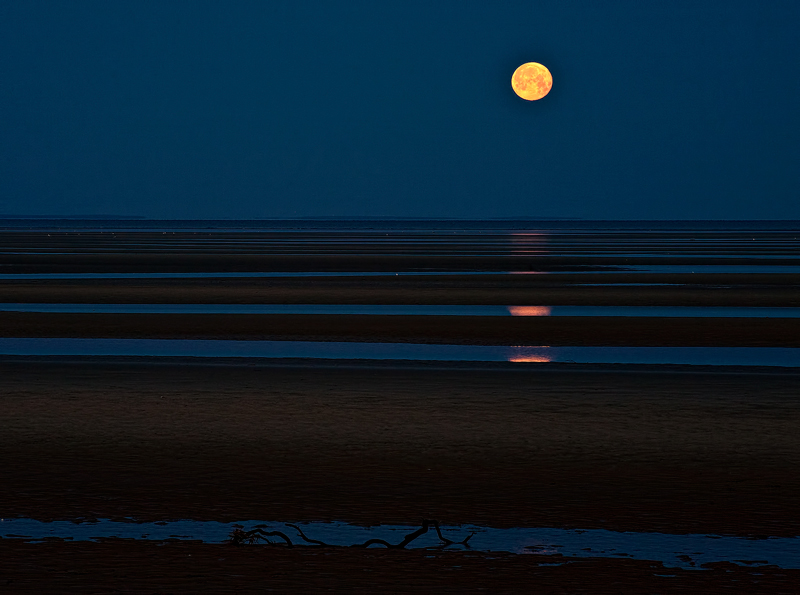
666, 269
707, 356
411, 310
671, 549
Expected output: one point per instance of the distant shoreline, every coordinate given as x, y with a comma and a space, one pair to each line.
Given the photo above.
135, 223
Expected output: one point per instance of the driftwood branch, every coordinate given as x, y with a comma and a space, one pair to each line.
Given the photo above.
447, 542
306, 539
406, 540
239, 536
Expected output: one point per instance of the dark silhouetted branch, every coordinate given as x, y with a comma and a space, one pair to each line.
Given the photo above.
303, 536
406, 540
238, 536
447, 542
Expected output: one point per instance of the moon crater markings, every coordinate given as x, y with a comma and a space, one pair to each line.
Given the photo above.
531, 81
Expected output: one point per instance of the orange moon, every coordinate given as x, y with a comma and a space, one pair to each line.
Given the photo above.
532, 81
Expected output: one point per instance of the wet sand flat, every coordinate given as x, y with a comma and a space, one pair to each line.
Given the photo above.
601, 289
477, 330
201, 568
561, 447
668, 449
165, 259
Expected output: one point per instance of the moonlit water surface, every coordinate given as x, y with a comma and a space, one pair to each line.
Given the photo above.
685, 551
703, 356
411, 310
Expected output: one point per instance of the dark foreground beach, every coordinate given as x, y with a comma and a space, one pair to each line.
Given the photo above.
709, 450
179, 567
624, 450
627, 450
590, 448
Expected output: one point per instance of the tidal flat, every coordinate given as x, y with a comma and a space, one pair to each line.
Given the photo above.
648, 448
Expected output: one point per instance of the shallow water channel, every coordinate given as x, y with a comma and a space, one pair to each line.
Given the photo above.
410, 310
344, 350
669, 269
686, 551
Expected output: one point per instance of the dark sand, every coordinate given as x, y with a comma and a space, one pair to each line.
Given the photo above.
141, 567
475, 330
550, 290
203, 256
644, 451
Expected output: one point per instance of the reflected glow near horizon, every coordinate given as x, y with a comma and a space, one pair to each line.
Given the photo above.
538, 354
528, 243
529, 310
541, 359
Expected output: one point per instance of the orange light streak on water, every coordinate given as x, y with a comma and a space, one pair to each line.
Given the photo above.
529, 310
528, 243
542, 359
521, 353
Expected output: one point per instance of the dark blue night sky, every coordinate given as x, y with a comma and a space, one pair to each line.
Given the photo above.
194, 109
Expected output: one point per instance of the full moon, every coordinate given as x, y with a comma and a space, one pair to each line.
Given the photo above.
531, 81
